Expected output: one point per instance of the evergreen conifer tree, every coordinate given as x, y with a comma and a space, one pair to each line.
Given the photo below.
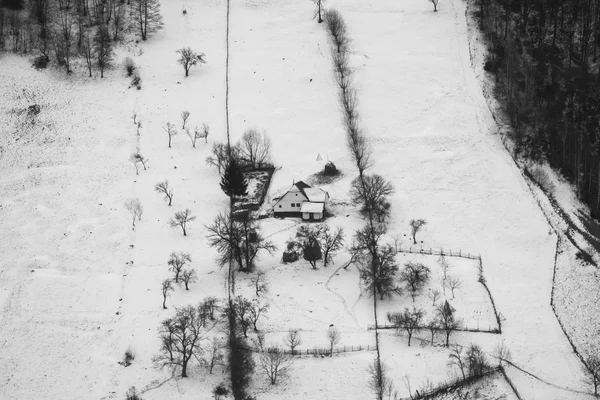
233, 182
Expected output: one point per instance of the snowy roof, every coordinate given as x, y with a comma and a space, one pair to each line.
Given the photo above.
308, 207
315, 195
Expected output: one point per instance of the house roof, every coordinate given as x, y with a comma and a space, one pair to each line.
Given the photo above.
308, 207
301, 186
315, 195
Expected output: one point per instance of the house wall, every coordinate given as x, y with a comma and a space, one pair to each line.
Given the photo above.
316, 216
291, 197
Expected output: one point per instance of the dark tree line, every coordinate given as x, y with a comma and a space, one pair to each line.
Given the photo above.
544, 54
62, 30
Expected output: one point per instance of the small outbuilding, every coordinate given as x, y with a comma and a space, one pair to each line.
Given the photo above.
302, 201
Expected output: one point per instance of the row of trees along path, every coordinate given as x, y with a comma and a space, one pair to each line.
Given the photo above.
368, 191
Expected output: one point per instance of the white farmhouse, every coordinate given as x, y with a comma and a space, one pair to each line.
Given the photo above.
302, 201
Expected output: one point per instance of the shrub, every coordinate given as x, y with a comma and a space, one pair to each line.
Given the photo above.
491, 66
220, 390
128, 357
542, 178
40, 62
129, 66
136, 81
289, 256
132, 394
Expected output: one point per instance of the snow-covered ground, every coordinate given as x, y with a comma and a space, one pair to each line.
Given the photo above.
78, 285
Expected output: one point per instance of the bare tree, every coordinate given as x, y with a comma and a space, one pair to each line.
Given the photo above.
138, 126
238, 240
103, 49
415, 226
220, 156
147, 16
275, 363
180, 338
260, 282
434, 295
176, 263
205, 132
406, 381
88, 52
416, 276
241, 310
371, 193
137, 158
448, 322
445, 266
134, 206
336, 27
189, 58
476, 361
211, 305
163, 188
331, 242
378, 274
454, 282
184, 117
319, 9
188, 276
502, 353
171, 131
181, 219
166, 288
293, 340
378, 379
409, 320
256, 311
193, 136
255, 148
593, 372
435, 4
333, 336
64, 37
456, 359
213, 354
433, 326
119, 12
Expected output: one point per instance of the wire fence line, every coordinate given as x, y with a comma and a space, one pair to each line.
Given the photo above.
450, 386
460, 254
423, 328
435, 252
321, 351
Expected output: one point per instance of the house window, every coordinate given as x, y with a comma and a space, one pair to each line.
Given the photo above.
280, 206
293, 204
297, 204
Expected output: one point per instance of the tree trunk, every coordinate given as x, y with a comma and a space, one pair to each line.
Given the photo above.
164, 302
184, 367
184, 231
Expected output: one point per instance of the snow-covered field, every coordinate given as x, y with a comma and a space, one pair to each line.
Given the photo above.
78, 285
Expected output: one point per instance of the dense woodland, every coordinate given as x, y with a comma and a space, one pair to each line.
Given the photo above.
64, 30
544, 54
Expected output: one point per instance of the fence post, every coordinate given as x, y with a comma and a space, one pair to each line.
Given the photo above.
460, 252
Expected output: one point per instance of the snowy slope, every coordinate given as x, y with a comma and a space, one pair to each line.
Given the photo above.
78, 285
